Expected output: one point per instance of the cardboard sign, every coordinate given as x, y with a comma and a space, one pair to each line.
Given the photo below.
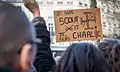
76, 25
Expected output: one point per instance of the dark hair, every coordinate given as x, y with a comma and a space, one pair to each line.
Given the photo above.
82, 57
111, 50
14, 30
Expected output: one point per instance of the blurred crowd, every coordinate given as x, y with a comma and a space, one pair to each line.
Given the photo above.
25, 46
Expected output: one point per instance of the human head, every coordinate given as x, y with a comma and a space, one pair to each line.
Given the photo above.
82, 57
111, 50
17, 37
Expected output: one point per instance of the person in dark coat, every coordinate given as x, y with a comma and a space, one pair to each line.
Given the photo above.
111, 51
17, 40
82, 57
44, 61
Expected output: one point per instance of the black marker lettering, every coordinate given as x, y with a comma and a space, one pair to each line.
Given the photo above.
68, 12
61, 20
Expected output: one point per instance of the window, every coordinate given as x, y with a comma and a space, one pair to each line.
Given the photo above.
59, 2
50, 17
40, 2
51, 29
49, 2
86, 5
49, 26
68, 2
80, 3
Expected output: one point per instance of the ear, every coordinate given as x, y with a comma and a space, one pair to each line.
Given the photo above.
25, 55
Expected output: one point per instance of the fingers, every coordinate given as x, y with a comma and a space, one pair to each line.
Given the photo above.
32, 6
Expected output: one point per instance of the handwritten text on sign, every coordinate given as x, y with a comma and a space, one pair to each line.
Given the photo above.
74, 25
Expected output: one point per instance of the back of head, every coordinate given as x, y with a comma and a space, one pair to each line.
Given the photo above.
82, 57
15, 31
111, 50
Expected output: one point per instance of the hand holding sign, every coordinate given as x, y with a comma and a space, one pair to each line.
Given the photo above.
32, 7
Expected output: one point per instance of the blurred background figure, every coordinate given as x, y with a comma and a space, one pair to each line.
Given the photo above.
111, 50
17, 40
82, 57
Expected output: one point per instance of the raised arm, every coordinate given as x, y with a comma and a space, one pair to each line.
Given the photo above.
44, 60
